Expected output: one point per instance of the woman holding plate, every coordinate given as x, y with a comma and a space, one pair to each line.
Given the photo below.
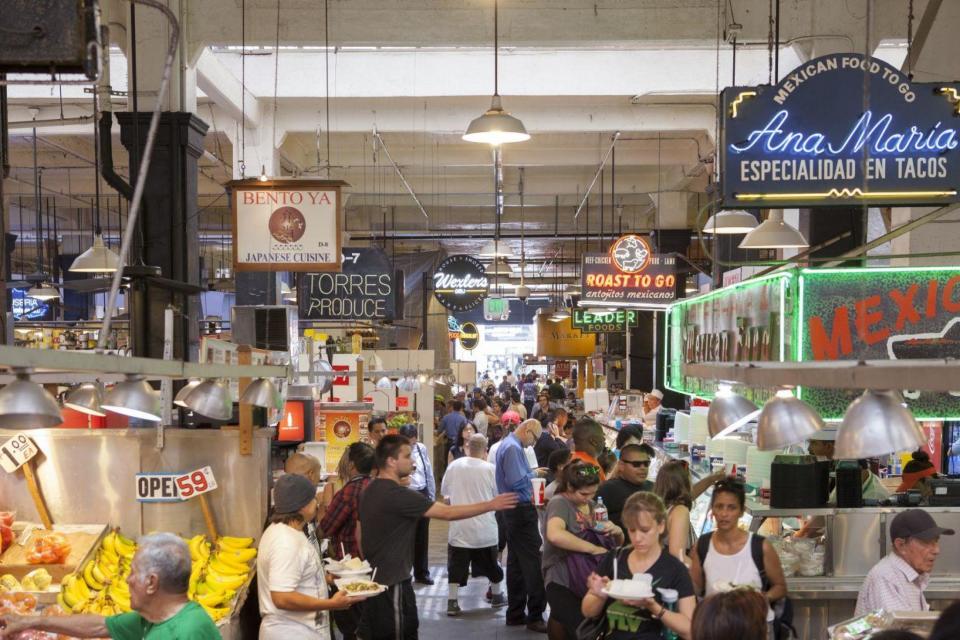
640, 618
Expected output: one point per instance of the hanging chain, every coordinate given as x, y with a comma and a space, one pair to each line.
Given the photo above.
243, 89
910, 40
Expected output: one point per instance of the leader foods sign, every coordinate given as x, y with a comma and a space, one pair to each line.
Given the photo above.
815, 139
286, 225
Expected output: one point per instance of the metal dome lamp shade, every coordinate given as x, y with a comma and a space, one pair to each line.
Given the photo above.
27, 405
180, 399
496, 126
384, 384
728, 411
730, 222
774, 233
97, 259
325, 376
43, 291
211, 398
86, 398
261, 393
875, 424
786, 420
134, 398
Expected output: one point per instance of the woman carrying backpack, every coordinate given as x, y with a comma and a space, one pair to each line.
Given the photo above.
730, 557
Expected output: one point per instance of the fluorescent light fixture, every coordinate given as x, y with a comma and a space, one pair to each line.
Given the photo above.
774, 233
730, 222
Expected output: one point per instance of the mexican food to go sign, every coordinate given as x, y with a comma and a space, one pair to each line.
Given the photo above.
286, 225
815, 139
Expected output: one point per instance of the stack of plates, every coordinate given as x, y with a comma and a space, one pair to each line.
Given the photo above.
681, 427
735, 451
758, 466
715, 447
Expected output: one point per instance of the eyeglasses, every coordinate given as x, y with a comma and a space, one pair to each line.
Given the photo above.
637, 464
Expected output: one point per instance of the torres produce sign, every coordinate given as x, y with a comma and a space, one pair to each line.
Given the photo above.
365, 289
815, 139
460, 283
629, 274
286, 225
881, 314
615, 320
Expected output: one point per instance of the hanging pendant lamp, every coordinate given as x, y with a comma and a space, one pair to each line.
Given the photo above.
43, 291
730, 222
728, 411
786, 420
774, 233
496, 126
875, 424
24, 404
86, 398
134, 398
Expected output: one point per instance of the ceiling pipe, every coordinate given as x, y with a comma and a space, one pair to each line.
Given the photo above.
403, 180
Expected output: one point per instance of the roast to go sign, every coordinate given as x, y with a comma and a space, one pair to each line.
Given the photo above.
365, 289
630, 274
460, 283
469, 336
780, 147
286, 225
174, 487
16, 452
605, 322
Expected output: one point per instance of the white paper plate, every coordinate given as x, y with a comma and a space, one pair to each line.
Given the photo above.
349, 573
343, 582
617, 595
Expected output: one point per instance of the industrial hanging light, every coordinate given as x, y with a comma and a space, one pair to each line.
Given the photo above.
786, 420
135, 398
97, 259
261, 393
263, 173
26, 405
86, 398
211, 398
730, 222
876, 424
774, 233
179, 400
43, 291
728, 412
496, 126
560, 315
499, 267
384, 384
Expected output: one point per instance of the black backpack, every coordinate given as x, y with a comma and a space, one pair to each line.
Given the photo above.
782, 608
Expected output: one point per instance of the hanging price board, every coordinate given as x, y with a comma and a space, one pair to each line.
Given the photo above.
174, 487
16, 452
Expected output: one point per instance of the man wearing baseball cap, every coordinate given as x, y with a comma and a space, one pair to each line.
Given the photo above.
651, 407
896, 583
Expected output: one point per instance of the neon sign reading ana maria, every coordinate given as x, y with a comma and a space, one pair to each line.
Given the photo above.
815, 139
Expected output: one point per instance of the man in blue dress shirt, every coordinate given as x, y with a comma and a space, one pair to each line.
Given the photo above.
526, 598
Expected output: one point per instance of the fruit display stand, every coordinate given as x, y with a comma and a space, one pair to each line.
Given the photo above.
92, 476
83, 540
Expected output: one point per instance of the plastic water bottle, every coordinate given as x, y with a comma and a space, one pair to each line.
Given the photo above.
600, 515
670, 598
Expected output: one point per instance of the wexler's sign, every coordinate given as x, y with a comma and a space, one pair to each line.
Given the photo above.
816, 140
286, 225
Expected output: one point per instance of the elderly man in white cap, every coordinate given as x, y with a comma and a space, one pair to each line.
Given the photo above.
651, 407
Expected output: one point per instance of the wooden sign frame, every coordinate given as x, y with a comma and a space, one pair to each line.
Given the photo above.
236, 187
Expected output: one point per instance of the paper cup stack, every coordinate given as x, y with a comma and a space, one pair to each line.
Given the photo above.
681, 427
758, 466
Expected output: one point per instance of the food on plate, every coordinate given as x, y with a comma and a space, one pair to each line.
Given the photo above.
47, 547
361, 586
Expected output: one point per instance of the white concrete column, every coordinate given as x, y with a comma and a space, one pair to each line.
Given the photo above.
152, 42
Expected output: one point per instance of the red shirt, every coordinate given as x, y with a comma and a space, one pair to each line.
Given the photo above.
339, 523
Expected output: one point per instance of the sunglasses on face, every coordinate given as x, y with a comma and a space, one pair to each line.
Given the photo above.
637, 464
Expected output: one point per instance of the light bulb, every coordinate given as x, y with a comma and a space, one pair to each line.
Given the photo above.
263, 173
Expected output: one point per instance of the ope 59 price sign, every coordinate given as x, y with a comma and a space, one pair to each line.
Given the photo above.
174, 487
16, 452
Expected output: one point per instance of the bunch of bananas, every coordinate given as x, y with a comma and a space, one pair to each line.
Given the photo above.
218, 571
101, 585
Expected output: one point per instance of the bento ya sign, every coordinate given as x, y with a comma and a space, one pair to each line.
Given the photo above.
898, 145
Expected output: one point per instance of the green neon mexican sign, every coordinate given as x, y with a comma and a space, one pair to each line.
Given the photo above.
824, 314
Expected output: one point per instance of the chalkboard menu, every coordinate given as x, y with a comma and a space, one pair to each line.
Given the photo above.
365, 289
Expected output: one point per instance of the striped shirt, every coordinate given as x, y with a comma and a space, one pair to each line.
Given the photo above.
894, 585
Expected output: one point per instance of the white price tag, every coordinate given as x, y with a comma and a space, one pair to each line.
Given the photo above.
191, 485
16, 451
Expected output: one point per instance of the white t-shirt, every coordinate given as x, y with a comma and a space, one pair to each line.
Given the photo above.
469, 480
288, 562
481, 422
